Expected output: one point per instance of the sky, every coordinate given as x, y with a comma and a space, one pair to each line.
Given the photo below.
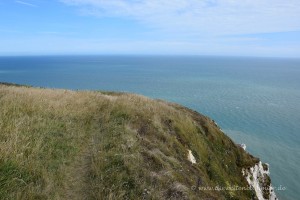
150, 27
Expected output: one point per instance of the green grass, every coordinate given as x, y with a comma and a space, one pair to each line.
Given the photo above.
60, 144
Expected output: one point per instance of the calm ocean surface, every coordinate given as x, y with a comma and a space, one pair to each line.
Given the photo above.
255, 101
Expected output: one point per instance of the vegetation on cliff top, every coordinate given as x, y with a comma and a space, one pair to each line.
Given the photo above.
62, 144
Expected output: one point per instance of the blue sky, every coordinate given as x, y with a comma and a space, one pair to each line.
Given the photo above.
168, 27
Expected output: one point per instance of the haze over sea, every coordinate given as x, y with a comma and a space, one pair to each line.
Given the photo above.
255, 101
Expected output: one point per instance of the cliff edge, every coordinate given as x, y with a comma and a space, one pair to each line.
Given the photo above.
62, 144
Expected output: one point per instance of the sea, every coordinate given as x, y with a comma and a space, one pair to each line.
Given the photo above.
255, 101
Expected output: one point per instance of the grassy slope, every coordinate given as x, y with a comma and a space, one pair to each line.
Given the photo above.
60, 144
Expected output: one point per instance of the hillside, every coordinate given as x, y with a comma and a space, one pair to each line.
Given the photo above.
62, 144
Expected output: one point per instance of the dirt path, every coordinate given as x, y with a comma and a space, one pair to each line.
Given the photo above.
77, 178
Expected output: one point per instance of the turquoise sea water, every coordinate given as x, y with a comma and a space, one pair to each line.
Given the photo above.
256, 101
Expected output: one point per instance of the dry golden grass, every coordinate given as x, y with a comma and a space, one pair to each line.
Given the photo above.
61, 144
